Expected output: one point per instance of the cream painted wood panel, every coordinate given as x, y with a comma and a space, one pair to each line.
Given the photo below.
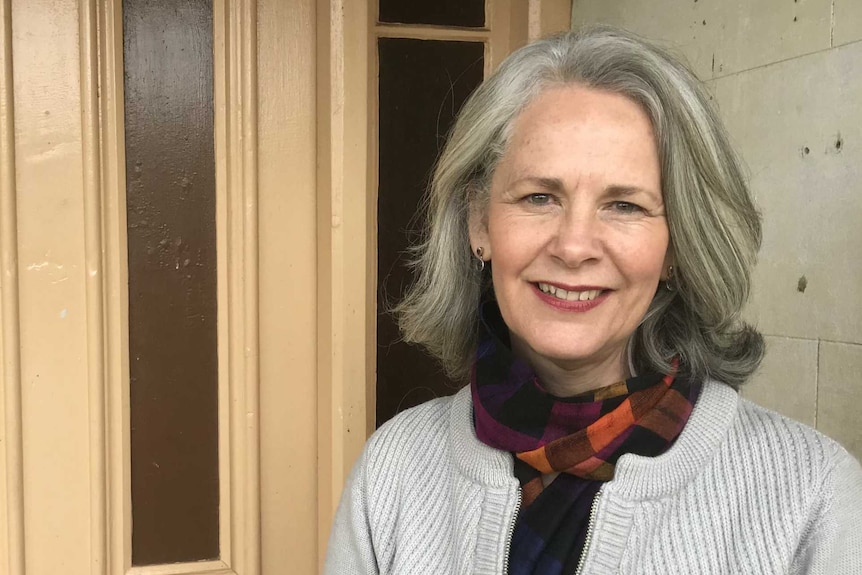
11, 448
288, 285
65, 499
52, 285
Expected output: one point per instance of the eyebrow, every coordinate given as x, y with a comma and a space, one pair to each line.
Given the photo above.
549, 184
556, 185
627, 191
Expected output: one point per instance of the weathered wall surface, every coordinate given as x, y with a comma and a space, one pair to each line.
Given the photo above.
787, 76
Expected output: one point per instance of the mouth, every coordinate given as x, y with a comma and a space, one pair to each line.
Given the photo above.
579, 293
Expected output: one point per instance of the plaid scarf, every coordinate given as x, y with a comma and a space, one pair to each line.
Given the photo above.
581, 437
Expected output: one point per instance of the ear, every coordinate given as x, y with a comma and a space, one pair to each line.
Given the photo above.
478, 224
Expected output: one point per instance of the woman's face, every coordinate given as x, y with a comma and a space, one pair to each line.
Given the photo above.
576, 233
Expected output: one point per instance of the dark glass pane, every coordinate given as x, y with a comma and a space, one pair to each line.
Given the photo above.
465, 13
170, 172
422, 86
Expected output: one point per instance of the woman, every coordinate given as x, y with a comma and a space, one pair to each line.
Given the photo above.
589, 251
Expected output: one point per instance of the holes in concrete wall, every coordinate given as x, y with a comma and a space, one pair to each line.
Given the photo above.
835, 146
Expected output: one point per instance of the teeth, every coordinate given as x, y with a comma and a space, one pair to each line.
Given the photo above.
560, 293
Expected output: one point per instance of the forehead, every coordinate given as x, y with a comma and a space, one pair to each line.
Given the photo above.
577, 107
577, 129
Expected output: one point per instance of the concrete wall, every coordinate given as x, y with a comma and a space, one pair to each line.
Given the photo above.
787, 76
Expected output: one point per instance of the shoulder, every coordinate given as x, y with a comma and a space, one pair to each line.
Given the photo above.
389, 488
811, 481
784, 460
438, 438
787, 444
412, 440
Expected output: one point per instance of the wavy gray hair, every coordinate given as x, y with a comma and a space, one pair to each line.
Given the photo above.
714, 225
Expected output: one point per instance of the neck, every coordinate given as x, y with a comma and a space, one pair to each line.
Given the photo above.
563, 378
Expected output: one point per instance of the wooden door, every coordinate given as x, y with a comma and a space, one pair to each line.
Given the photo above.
278, 288
158, 231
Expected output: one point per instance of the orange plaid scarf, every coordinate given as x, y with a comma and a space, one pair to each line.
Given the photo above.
583, 435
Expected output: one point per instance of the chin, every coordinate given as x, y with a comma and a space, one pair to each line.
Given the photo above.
566, 355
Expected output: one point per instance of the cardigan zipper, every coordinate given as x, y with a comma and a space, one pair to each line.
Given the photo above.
593, 510
511, 533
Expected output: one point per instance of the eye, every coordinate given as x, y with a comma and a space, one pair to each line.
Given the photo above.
538, 199
626, 208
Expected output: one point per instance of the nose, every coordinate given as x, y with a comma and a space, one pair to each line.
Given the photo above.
577, 239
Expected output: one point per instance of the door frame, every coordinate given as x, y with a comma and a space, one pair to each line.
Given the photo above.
347, 192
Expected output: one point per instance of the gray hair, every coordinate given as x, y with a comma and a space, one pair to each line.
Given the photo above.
714, 225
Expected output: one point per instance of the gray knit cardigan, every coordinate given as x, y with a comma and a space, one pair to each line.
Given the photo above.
743, 490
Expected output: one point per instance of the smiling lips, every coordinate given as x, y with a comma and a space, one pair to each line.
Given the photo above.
570, 295
580, 299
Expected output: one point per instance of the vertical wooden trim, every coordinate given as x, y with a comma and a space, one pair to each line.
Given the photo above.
518, 22
91, 157
12, 505
534, 20
346, 303
373, 111
545, 17
115, 270
114, 285
235, 81
553, 16
251, 419
498, 14
222, 127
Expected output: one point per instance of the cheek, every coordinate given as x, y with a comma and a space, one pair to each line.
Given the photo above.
509, 260
516, 234
513, 250
648, 263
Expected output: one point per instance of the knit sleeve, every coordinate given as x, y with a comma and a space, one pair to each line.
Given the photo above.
350, 550
833, 545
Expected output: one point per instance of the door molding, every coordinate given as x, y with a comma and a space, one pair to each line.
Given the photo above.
12, 447
347, 33
98, 356
346, 243
235, 84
